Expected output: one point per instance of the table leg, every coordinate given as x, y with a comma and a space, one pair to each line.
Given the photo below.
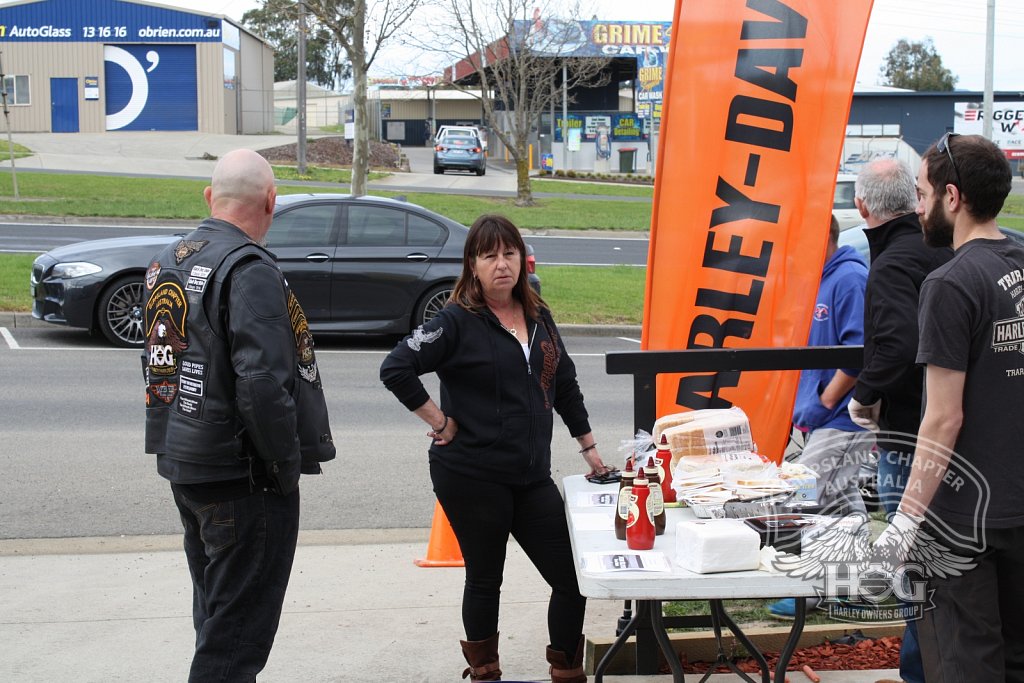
649, 610
620, 640
718, 607
666, 643
794, 637
627, 615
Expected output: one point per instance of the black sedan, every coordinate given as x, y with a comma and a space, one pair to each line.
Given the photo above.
358, 265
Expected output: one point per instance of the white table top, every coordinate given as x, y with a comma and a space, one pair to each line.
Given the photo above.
680, 584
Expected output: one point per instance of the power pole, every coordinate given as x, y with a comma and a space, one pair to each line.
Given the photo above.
300, 89
990, 49
7, 119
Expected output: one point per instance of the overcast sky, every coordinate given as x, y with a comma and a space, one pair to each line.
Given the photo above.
956, 26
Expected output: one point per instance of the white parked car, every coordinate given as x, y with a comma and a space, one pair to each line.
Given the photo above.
843, 207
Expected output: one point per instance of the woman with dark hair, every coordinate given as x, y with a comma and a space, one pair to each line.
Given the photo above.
503, 370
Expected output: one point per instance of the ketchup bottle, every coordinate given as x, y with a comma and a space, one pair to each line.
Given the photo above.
640, 525
664, 460
622, 503
655, 501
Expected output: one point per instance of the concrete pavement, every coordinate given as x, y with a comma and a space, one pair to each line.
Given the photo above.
358, 610
193, 155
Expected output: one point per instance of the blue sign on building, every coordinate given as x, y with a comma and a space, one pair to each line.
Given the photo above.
151, 87
104, 21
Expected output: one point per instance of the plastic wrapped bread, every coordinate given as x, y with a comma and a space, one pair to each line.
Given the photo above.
716, 432
676, 419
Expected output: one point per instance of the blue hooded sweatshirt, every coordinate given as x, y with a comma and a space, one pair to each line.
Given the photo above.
838, 320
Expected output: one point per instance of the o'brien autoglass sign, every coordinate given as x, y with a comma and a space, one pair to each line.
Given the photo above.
103, 21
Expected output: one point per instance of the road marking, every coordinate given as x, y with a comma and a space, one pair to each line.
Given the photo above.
9, 338
635, 341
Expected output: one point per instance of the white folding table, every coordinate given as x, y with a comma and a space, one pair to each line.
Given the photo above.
650, 589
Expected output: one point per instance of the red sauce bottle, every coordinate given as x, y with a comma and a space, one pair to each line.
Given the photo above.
664, 460
640, 525
655, 501
622, 504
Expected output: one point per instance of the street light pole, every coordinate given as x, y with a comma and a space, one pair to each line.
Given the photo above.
300, 90
7, 119
990, 33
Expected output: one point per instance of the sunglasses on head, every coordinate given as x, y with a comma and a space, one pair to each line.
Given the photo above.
943, 146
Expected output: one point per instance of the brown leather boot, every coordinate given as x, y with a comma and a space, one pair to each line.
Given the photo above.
482, 657
564, 671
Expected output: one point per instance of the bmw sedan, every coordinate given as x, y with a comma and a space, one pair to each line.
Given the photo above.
357, 264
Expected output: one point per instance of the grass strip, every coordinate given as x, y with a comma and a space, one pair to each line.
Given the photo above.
53, 194
322, 174
612, 295
591, 188
14, 274
20, 151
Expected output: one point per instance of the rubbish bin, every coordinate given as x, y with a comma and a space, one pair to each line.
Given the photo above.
627, 155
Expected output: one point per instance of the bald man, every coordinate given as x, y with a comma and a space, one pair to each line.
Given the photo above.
234, 412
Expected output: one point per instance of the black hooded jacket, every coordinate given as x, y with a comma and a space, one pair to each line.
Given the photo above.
502, 403
900, 261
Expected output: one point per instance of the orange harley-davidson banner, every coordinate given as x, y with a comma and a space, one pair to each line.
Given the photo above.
757, 98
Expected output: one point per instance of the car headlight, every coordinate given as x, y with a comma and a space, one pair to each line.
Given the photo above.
66, 271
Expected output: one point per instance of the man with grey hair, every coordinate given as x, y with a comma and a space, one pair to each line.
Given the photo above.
887, 397
234, 412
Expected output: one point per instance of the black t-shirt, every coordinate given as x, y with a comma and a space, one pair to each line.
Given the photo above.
971, 319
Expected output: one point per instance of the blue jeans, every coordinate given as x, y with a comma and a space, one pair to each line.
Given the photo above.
240, 556
893, 473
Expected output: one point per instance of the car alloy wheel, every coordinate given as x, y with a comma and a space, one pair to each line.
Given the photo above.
431, 304
120, 312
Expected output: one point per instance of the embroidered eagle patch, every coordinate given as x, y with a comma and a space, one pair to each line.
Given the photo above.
185, 248
419, 337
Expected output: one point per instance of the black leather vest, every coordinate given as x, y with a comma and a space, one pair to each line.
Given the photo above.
191, 415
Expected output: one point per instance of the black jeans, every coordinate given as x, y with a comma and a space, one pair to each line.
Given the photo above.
482, 515
976, 630
240, 556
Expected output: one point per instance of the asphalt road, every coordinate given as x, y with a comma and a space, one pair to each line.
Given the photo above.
74, 465
549, 249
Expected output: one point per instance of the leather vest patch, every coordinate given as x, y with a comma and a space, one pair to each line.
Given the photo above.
303, 341
185, 248
165, 339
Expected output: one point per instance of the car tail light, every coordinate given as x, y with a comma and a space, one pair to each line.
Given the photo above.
476, 149
439, 148
531, 263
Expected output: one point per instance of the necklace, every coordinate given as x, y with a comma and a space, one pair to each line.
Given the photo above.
510, 329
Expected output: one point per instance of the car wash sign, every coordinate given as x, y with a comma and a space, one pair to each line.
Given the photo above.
645, 41
104, 21
1007, 124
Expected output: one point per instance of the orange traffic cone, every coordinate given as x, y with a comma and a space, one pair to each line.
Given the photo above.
442, 549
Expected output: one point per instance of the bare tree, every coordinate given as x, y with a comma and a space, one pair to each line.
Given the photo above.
362, 28
511, 54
